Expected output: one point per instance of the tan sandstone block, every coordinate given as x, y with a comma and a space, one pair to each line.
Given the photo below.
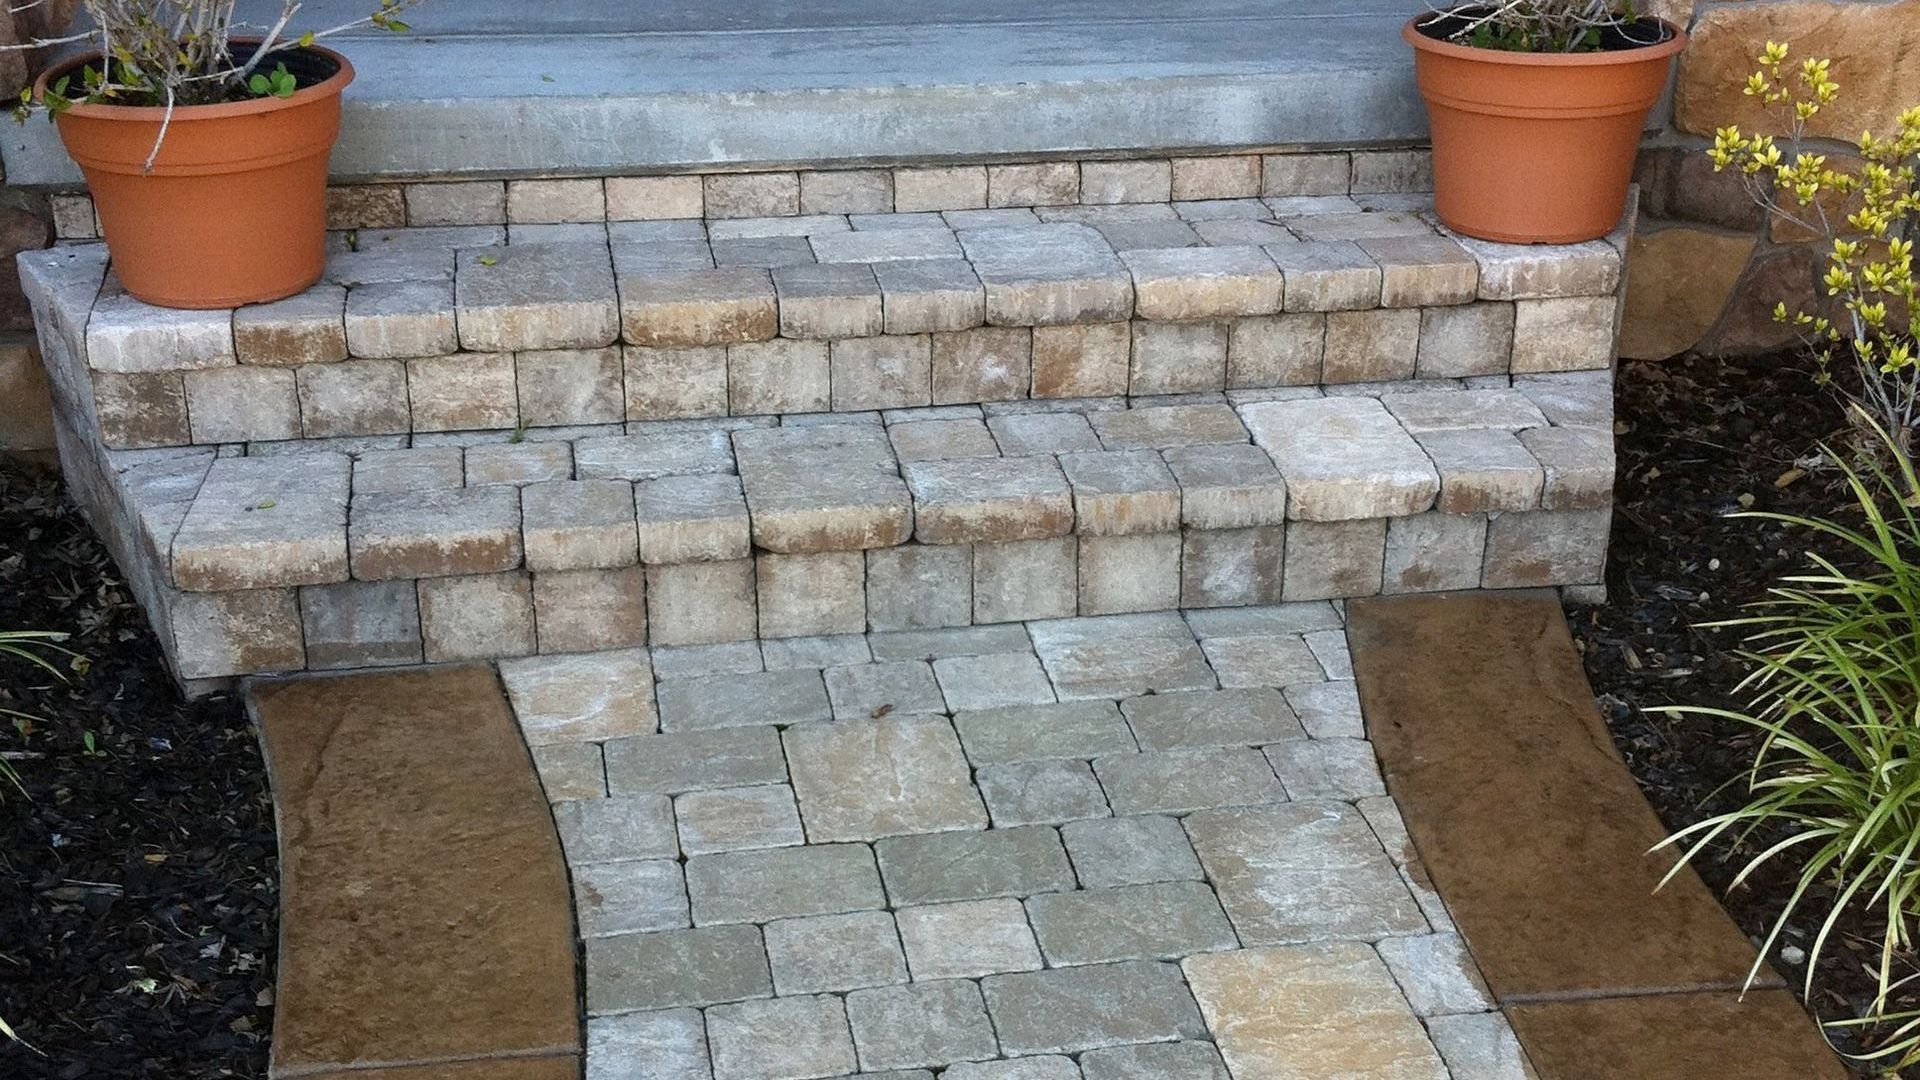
1681, 281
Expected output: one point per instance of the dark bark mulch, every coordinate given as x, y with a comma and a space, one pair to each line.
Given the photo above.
1699, 440
138, 872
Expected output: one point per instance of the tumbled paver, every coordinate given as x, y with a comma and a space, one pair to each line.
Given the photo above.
940, 867
1162, 921
973, 500
623, 828
1038, 732
1067, 1010
1139, 850
835, 952
1327, 769
1181, 781
780, 1039
1203, 283
737, 819
588, 696
1270, 1008
768, 697
538, 296
703, 966
1048, 275
578, 524
891, 776
1343, 458
695, 760
828, 488
1302, 872
670, 1044
628, 897
782, 883
1155, 1061
865, 691
686, 306
967, 939
1040, 792
920, 1025
419, 534
992, 681
1241, 717
649, 455
264, 522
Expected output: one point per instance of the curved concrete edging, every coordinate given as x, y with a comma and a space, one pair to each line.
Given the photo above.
426, 923
1536, 837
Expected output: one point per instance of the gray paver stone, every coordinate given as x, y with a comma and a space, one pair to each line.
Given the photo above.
1182, 781
1155, 1061
578, 524
539, 296
1025, 579
866, 691
971, 500
651, 454
895, 775
701, 603
1051, 1067
1162, 921
1120, 656
1253, 660
1327, 769
1480, 1045
1130, 851
1417, 271
993, 681
782, 883
967, 939
624, 828
678, 308
1067, 1010
1227, 486
701, 518
1437, 974
928, 295
1242, 717
1040, 792
1122, 492
435, 533
1014, 733
1327, 276
1343, 459
587, 696
738, 819
831, 488
676, 762
936, 868
769, 697
629, 897
919, 586
824, 953
923, 1024
666, 1045
1203, 283
788, 1038
1048, 275
1328, 710
821, 651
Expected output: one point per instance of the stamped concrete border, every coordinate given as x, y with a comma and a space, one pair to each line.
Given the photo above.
426, 927
1536, 836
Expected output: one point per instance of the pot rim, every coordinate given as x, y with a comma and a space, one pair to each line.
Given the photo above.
1676, 41
331, 86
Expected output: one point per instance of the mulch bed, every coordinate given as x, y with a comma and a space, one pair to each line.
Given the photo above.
138, 873
1699, 440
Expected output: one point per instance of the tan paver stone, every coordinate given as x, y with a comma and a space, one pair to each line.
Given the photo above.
967, 939
1503, 706
988, 363
578, 524
1269, 1011
1084, 360
261, 522
237, 633
698, 307
701, 518
580, 698
475, 881
401, 319
1483, 470
477, 617
666, 384
1417, 271
1765, 1036
1203, 283
1343, 458
846, 191
1305, 871
836, 300
306, 328
973, 500
827, 488
1121, 492
413, 534
462, 392
1531, 271
585, 610
1578, 463
866, 779
538, 296
570, 771
1118, 656
891, 372
1048, 275
242, 404
559, 387
922, 296
1335, 276
1158, 427
781, 376
518, 463
139, 410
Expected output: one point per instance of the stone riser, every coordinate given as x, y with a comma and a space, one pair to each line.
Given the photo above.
362, 624
791, 192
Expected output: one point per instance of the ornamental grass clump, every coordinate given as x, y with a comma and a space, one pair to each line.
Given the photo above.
1867, 213
1834, 790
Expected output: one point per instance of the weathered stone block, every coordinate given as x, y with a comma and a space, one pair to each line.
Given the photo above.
1321, 872
778, 376
968, 939
547, 201
891, 372
1121, 492
1578, 463
1203, 283
306, 328
1232, 567
1277, 350
835, 300
1335, 276
218, 635
141, 409
780, 1038
846, 191
1162, 921
989, 500
1049, 183
517, 463
802, 595
701, 603
691, 519
1116, 656
353, 397
474, 202
920, 1025
830, 488
654, 198
401, 319
263, 521
585, 610
1533, 271
1043, 433
462, 392
1227, 176
654, 451
578, 524
1434, 552
1567, 334
948, 187
570, 386
1424, 411
415, 469
125, 335
1067, 1010
1482, 469
1028, 579
703, 966
1129, 573
477, 618
1178, 358
1049, 275
1465, 340
1227, 486
242, 404
665, 384
1332, 559
929, 295
585, 698
918, 587
1548, 547
1418, 271
1305, 174
357, 624
698, 307
983, 364
783, 883
417, 534
1104, 182
541, 296
1371, 346
1343, 458
1085, 360
751, 195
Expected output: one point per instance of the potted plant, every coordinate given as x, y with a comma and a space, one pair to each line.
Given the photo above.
205, 150
1536, 109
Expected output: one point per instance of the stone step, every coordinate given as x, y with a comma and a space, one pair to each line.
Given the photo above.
428, 330
505, 543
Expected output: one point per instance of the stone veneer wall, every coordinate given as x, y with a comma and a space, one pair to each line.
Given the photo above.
26, 223
1708, 266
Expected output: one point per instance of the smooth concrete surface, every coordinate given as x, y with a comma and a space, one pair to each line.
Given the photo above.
492, 87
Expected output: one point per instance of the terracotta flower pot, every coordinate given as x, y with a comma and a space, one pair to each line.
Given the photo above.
234, 210
1535, 148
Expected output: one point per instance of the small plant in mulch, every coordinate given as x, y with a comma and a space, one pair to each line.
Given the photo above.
1867, 213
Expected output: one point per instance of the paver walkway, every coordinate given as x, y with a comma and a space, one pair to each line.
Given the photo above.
1119, 847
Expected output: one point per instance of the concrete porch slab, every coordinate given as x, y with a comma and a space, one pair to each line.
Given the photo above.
592, 87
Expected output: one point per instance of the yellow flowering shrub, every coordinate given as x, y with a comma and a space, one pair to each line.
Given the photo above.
1867, 214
